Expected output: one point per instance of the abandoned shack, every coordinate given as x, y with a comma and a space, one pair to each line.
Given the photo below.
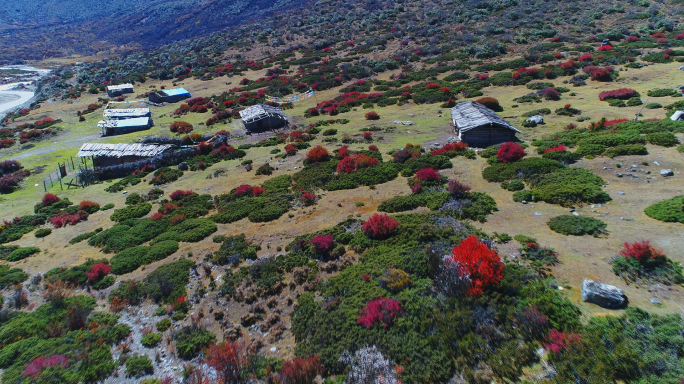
262, 117
128, 113
112, 127
169, 96
479, 126
119, 90
105, 155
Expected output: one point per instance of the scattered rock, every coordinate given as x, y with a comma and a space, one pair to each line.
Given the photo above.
537, 214
575, 213
603, 295
620, 193
656, 163
666, 172
183, 166
656, 302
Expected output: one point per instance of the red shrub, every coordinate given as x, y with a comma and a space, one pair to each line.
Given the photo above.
601, 74
317, 154
89, 206
6, 143
428, 174
244, 189
680, 36
608, 123
364, 161
631, 39
415, 188
379, 226
291, 149
9, 166
481, 265
368, 136
49, 199
445, 89
510, 152
181, 127
661, 40
64, 219
168, 208
346, 165
489, 102
229, 359
8, 183
257, 191
432, 86
244, 81
559, 148
380, 311
179, 195
559, 341
204, 148
605, 48
456, 188
641, 250
373, 148
223, 151
301, 371
551, 94
36, 367
177, 219
323, 243
157, 216
622, 94
585, 57
98, 271
92, 107
483, 76
343, 152
197, 101
372, 115
308, 198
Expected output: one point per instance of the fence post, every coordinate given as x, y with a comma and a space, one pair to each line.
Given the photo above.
44, 187
60, 184
51, 183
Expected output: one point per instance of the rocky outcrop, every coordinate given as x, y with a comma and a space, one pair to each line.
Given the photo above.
603, 295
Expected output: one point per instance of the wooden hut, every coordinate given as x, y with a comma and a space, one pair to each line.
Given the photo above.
127, 113
479, 126
169, 96
118, 90
262, 117
105, 155
112, 127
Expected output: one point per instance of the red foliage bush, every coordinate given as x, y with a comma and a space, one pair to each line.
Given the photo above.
510, 152
204, 148
179, 194
181, 127
605, 48
641, 250
559, 148
380, 311
244, 189
6, 143
428, 174
258, 191
456, 188
372, 115
177, 219
432, 86
622, 94
601, 74
301, 371
373, 148
379, 226
92, 107
89, 206
9, 166
36, 367
98, 271
483, 76
229, 359
223, 151
346, 165
317, 154
368, 136
661, 40
585, 57
631, 39
489, 102
608, 123
343, 152
64, 219
551, 94
157, 216
197, 101
308, 198
45, 121
680, 36
559, 341
290, 149
323, 243
481, 265
168, 208
49, 199
415, 188
8, 183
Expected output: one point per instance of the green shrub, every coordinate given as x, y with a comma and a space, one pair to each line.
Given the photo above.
577, 225
43, 232
489, 152
669, 211
524, 195
189, 231
660, 269
84, 236
22, 253
522, 239
105, 283
128, 260
75, 275
10, 276
167, 283
513, 185
178, 316
161, 250
664, 139
106, 207
151, 340
626, 150
680, 149
166, 175
265, 169
663, 92
234, 250
528, 168
139, 365
653, 106
123, 183
590, 149
190, 342
163, 325
634, 101
131, 212
134, 199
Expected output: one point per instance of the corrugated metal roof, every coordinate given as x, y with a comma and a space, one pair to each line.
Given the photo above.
469, 114
120, 86
261, 111
134, 122
127, 112
175, 92
121, 150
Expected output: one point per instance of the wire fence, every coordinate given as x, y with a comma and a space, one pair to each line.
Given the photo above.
64, 174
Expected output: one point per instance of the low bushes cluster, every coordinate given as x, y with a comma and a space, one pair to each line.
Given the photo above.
22, 253
166, 175
235, 249
670, 210
92, 272
640, 261
131, 212
164, 284
131, 259
11, 276
577, 225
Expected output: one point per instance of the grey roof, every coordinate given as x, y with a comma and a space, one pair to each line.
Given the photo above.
120, 86
469, 114
121, 150
128, 112
261, 111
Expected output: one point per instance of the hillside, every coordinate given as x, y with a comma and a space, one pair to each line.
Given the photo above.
362, 234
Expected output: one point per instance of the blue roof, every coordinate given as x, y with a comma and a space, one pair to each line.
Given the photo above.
176, 92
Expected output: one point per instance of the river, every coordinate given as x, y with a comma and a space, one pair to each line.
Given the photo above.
11, 98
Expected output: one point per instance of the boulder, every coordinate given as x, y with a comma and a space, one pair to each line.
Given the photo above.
681, 68
603, 295
183, 166
666, 172
538, 119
